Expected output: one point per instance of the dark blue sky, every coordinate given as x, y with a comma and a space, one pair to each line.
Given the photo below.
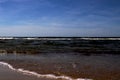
60, 18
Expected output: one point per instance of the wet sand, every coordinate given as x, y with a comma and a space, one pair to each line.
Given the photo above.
8, 74
96, 67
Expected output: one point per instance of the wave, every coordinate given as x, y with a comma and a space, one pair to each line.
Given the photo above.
27, 72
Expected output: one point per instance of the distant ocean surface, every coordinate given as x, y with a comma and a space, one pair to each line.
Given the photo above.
69, 66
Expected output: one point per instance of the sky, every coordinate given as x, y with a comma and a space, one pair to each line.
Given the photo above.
67, 18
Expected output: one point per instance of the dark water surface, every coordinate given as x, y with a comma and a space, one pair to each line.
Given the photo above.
98, 67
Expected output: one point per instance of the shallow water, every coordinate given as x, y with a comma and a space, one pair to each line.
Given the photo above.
8, 74
67, 64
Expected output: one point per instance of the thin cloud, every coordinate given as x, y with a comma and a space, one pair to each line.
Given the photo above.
37, 17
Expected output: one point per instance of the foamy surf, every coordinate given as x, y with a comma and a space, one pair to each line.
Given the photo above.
27, 72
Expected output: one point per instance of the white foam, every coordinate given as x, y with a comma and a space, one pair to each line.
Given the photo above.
27, 72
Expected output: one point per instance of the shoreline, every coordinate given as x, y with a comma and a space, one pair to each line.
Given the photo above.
27, 72
85, 71
81, 64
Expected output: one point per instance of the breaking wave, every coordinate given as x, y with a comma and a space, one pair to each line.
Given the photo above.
27, 72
